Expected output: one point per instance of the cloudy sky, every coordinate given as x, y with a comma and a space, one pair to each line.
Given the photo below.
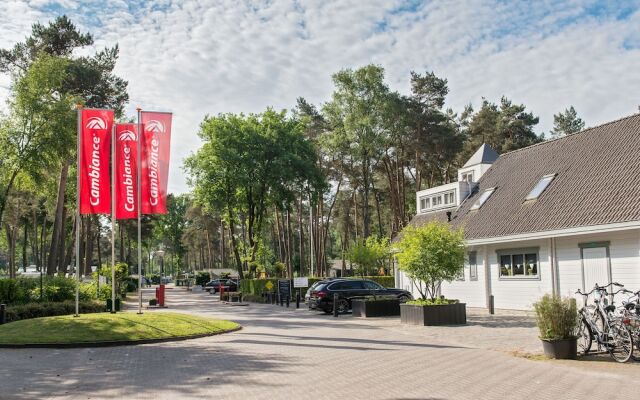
212, 56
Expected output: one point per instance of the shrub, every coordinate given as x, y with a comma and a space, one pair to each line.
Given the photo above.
37, 310
202, 278
556, 317
431, 254
370, 255
154, 278
429, 302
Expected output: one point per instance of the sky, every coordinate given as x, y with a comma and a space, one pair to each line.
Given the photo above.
198, 58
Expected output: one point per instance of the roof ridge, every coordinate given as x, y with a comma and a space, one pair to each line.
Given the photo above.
572, 134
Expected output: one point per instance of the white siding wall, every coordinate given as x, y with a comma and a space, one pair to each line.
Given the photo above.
521, 294
472, 293
624, 251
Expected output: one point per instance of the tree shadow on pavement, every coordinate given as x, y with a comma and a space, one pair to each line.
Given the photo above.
126, 372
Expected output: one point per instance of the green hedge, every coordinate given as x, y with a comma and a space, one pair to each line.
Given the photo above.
256, 287
27, 290
202, 278
37, 310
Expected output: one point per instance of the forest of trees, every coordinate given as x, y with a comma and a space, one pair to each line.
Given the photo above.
279, 192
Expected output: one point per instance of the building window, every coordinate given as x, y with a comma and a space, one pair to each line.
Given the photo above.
467, 177
540, 187
473, 266
519, 263
483, 198
425, 203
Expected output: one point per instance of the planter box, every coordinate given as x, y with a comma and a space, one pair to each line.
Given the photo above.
375, 308
443, 314
565, 349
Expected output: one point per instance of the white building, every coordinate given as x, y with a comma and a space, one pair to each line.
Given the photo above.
554, 217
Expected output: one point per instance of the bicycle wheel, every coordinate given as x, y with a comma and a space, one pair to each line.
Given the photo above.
620, 344
635, 336
584, 338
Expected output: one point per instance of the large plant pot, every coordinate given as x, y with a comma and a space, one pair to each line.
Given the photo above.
375, 308
565, 349
442, 314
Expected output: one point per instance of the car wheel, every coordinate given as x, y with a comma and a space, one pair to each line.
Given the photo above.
343, 306
404, 299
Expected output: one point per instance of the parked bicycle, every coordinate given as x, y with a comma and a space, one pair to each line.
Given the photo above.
598, 323
630, 312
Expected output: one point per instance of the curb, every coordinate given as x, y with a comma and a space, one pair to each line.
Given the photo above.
110, 343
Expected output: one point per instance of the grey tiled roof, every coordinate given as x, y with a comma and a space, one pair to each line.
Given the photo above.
597, 182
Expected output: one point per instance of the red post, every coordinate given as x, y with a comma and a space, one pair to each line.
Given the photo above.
161, 296
221, 291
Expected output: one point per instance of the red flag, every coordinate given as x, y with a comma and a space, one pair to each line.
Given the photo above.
95, 135
156, 141
126, 171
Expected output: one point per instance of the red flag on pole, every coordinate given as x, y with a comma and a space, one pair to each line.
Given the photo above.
95, 142
156, 141
126, 161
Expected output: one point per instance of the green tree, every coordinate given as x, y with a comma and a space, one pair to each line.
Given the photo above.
504, 127
566, 123
370, 255
356, 114
430, 255
171, 227
247, 164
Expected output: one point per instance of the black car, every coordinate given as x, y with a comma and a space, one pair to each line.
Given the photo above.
214, 285
350, 289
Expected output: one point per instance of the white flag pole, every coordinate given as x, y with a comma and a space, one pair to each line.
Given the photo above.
139, 208
79, 109
113, 219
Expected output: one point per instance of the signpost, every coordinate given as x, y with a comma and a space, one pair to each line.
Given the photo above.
301, 282
284, 290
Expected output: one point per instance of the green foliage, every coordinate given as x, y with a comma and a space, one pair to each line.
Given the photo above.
370, 255
566, 123
431, 254
557, 318
38, 310
432, 302
54, 289
202, 278
154, 278
505, 127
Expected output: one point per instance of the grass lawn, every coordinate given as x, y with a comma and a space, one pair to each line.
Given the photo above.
109, 327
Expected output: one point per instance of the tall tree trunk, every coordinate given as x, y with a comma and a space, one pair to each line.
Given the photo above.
11, 233
301, 237
61, 261
289, 246
223, 260
58, 223
24, 245
236, 252
366, 223
70, 253
99, 248
88, 247
34, 240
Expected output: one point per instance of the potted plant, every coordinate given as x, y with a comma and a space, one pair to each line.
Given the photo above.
430, 255
378, 306
557, 321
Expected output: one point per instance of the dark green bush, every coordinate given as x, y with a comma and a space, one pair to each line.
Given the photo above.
202, 278
154, 278
27, 290
37, 310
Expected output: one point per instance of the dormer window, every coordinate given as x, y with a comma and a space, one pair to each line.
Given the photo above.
540, 187
483, 198
467, 177
440, 200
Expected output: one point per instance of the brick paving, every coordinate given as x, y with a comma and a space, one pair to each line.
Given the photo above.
288, 353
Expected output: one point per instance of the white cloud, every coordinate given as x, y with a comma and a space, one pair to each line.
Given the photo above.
204, 57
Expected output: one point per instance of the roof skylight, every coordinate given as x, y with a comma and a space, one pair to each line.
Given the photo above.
483, 198
540, 187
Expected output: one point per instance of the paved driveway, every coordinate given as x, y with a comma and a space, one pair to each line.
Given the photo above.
289, 354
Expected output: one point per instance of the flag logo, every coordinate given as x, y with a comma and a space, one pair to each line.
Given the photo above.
96, 123
127, 136
154, 126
